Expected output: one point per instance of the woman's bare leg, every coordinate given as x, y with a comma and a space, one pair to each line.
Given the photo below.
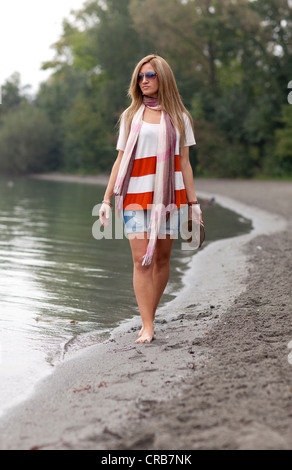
143, 286
161, 269
160, 272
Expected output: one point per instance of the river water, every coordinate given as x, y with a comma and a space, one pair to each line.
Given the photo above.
61, 289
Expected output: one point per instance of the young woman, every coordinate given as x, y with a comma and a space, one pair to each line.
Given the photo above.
152, 180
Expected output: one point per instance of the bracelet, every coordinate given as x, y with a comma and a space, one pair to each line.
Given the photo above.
108, 203
192, 202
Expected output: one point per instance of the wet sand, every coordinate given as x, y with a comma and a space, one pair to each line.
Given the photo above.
218, 376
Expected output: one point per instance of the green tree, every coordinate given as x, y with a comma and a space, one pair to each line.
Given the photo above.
56, 98
87, 91
13, 94
283, 150
25, 141
87, 144
232, 60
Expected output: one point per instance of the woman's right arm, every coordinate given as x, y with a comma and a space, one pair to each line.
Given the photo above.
104, 211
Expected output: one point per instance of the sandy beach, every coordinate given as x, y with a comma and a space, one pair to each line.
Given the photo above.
218, 375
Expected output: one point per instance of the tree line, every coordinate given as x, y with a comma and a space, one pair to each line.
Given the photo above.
232, 60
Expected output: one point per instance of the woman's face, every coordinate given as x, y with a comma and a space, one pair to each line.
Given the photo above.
148, 86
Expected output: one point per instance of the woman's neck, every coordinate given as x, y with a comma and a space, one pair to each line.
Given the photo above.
150, 101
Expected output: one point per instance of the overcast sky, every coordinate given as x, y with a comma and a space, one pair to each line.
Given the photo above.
27, 30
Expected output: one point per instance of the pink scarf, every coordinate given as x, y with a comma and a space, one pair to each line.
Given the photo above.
164, 194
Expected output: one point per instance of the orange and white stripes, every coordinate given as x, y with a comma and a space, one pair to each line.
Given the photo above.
141, 185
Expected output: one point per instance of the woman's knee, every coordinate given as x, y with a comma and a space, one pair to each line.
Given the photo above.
162, 261
139, 247
138, 266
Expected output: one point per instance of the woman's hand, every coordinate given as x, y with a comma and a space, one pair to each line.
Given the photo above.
195, 213
104, 213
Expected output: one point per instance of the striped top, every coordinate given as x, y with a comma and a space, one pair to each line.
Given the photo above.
141, 185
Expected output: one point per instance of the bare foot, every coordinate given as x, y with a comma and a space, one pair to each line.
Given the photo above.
147, 335
141, 332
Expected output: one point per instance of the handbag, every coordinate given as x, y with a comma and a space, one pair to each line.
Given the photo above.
191, 229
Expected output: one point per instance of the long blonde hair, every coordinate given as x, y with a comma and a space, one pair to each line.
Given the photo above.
168, 95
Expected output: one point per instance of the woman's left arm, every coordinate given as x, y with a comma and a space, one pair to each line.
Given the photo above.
188, 175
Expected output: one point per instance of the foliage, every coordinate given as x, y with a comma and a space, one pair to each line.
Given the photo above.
232, 62
25, 141
284, 142
12, 94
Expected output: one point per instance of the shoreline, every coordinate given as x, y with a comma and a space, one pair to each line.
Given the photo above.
70, 178
98, 398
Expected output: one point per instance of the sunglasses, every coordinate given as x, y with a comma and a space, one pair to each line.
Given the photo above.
148, 76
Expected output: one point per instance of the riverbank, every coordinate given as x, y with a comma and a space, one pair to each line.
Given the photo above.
216, 377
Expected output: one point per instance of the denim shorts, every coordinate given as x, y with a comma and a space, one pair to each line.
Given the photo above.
137, 221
